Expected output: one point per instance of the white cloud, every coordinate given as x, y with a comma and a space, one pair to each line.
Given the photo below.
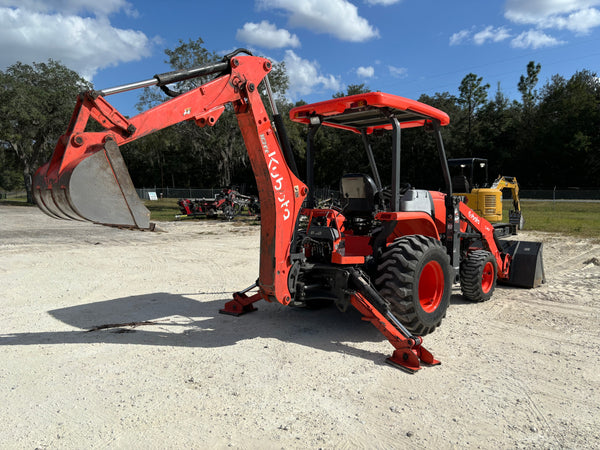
577, 16
534, 39
365, 72
491, 34
460, 37
579, 22
98, 8
488, 34
84, 44
266, 35
531, 11
398, 72
305, 78
336, 17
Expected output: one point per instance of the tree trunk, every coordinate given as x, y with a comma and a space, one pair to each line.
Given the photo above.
28, 185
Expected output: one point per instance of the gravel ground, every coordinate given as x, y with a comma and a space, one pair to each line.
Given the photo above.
519, 371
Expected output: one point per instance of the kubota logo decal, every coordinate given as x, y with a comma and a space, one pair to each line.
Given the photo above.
278, 179
474, 217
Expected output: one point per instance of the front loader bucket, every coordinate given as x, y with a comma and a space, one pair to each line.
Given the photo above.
527, 265
95, 187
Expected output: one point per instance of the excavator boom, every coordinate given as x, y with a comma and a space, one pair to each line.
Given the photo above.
503, 182
87, 179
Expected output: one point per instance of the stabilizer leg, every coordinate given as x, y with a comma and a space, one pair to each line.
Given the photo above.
409, 353
242, 303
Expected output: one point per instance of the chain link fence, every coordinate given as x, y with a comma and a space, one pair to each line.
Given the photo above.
326, 193
144, 193
7, 195
191, 193
560, 194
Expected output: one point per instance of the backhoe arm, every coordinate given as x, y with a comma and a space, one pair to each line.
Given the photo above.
86, 177
502, 183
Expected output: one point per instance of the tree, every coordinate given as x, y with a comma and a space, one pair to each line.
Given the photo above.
353, 89
498, 129
36, 103
527, 84
10, 176
569, 136
472, 95
209, 155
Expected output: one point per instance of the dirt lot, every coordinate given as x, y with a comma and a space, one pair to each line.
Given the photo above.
519, 371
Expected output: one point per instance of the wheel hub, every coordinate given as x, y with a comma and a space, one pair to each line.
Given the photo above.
431, 286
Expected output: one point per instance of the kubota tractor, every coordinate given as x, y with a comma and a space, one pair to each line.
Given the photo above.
391, 251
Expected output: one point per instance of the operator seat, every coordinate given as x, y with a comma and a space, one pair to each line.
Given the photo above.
358, 194
460, 184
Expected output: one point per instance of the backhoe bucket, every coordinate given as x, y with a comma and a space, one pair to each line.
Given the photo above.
95, 187
527, 265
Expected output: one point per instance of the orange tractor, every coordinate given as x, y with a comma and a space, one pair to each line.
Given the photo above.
391, 251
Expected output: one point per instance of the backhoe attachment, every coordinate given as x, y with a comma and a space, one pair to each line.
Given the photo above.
86, 178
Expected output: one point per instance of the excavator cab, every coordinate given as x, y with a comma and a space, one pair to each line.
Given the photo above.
468, 173
470, 181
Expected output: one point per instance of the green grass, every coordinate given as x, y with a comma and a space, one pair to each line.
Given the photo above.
580, 219
15, 201
163, 210
573, 218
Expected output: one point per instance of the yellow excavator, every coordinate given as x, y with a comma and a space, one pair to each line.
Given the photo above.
469, 180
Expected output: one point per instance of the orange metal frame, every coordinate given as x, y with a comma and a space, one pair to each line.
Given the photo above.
281, 192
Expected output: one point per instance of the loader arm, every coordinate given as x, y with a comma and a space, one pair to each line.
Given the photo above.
86, 177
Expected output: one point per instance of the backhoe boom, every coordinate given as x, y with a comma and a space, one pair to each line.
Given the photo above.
86, 178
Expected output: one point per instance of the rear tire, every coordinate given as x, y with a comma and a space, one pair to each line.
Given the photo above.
478, 274
228, 212
415, 277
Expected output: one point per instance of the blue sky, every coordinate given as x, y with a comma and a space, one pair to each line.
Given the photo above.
404, 47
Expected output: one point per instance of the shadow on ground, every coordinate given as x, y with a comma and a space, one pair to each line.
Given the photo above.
185, 322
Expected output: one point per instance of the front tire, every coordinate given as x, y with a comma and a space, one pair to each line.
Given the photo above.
478, 274
415, 277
